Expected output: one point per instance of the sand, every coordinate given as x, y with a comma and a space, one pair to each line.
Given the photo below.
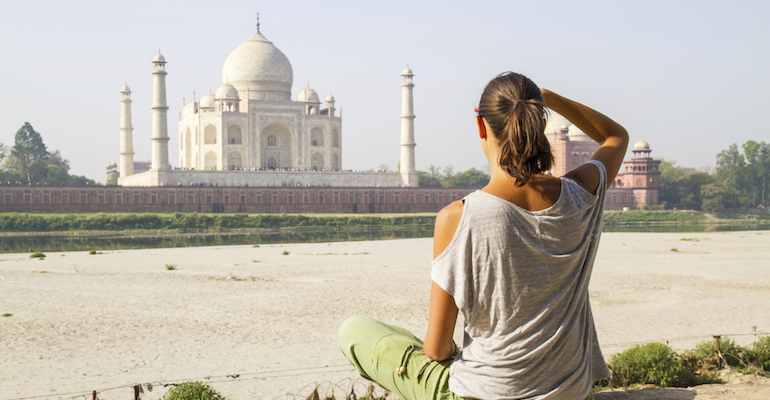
93, 322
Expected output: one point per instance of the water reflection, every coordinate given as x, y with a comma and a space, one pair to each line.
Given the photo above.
119, 241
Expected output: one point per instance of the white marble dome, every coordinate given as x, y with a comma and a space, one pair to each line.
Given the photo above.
641, 145
207, 101
556, 122
125, 89
330, 98
407, 72
258, 66
228, 92
576, 134
159, 58
308, 95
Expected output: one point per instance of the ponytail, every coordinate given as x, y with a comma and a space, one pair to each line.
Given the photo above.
513, 106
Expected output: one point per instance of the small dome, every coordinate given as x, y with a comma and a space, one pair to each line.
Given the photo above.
159, 58
407, 72
207, 101
125, 89
577, 135
642, 145
556, 123
330, 98
308, 95
227, 92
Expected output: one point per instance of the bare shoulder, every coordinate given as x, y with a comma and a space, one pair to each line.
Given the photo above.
587, 176
447, 221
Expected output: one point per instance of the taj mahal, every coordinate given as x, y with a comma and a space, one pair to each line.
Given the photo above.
251, 133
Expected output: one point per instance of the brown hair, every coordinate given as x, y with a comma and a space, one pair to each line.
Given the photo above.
513, 106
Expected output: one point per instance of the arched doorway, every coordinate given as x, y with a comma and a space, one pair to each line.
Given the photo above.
210, 161
276, 146
317, 162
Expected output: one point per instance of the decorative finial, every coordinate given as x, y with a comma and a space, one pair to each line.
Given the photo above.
257, 21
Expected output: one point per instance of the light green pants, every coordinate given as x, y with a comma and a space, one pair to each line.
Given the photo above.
393, 358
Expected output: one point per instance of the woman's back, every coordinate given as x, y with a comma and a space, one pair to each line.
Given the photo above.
520, 279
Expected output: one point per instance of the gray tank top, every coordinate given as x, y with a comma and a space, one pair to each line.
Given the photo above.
520, 278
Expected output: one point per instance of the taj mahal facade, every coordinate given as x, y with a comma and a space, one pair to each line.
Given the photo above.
251, 133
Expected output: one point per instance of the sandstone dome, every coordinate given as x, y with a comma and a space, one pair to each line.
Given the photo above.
308, 95
258, 66
641, 145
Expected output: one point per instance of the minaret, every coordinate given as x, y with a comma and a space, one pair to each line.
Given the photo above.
126, 134
408, 171
159, 136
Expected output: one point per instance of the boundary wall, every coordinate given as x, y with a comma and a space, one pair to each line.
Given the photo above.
218, 199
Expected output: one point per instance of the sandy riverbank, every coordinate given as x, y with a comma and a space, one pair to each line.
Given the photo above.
87, 322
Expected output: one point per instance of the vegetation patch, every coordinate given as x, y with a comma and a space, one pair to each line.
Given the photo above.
193, 391
37, 255
652, 216
7, 315
651, 363
657, 364
28, 222
170, 267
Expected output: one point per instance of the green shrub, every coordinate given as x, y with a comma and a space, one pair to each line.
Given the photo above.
170, 267
192, 391
652, 363
37, 255
92, 252
760, 352
734, 355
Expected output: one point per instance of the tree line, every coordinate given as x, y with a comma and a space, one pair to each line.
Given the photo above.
740, 181
436, 177
28, 161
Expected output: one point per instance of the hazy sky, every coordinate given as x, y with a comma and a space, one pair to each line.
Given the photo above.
690, 77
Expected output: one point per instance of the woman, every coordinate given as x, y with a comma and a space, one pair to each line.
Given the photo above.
515, 258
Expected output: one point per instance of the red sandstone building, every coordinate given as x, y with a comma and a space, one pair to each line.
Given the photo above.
635, 187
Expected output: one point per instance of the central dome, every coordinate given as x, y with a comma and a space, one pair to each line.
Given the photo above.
259, 67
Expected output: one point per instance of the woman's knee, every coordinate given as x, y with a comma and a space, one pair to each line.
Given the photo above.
352, 329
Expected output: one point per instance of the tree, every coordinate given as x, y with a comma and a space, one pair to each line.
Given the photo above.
29, 153
757, 169
730, 165
57, 159
425, 179
469, 178
436, 177
670, 173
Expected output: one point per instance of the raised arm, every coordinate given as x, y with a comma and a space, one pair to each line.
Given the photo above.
612, 137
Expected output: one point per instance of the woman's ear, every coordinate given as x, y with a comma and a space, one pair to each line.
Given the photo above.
482, 127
